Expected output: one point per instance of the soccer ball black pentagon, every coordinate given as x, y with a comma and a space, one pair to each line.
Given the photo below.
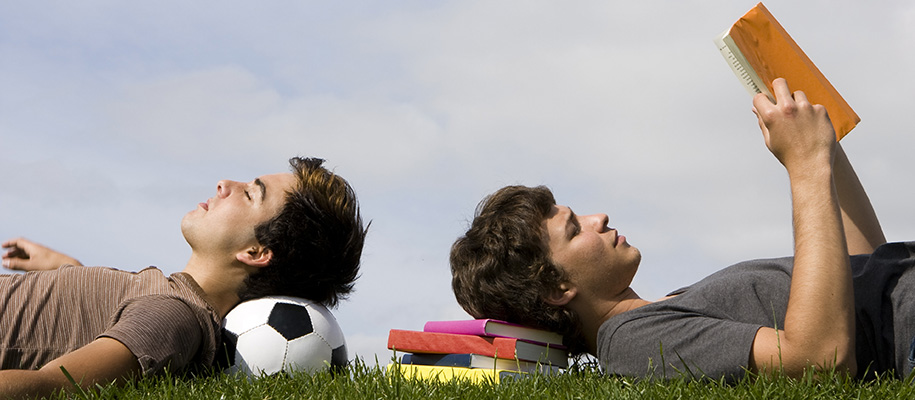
272, 334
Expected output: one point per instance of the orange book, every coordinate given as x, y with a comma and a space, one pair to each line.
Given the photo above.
759, 50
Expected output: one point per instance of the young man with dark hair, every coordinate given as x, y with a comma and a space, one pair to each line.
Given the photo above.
841, 302
295, 234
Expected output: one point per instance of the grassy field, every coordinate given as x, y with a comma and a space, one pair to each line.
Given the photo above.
362, 382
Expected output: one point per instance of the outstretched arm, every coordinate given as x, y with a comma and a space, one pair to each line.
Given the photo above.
819, 328
862, 228
25, 255
99, 362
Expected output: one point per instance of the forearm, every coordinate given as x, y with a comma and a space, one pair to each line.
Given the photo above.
862, 228
16, 384
102, 361
819, 324
819, 327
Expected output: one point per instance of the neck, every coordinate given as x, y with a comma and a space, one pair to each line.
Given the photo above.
594, 314
220, 281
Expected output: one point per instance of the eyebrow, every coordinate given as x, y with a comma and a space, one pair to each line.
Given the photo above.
263, 187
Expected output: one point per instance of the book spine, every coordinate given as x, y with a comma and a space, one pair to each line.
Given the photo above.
444, 374
469, 327
476, 361
445, 360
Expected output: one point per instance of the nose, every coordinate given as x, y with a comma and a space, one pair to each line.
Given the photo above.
600, 221
224, 188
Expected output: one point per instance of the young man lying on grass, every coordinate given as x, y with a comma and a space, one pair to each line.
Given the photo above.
526, 259
294, 234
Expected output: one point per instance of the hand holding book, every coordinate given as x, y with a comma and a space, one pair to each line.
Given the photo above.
759, 50
796, 131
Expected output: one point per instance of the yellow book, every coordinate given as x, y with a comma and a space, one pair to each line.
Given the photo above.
445, 374
759, 50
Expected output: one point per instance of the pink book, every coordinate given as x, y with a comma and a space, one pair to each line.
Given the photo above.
495, 328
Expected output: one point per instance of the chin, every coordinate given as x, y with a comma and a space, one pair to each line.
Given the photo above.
187, 228
636, 254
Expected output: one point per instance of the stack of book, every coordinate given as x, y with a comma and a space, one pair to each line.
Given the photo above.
476, 350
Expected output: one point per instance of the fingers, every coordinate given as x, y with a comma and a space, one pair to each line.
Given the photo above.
762, 105
786, 103
19, 242
17, 248
14, 254
800, 98
783, 95
10, 243
781, 90
762, 125
796, 131
16, 264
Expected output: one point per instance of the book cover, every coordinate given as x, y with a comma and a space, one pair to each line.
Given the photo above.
476, 361
758, 49
437, 373
499, 347
494, 327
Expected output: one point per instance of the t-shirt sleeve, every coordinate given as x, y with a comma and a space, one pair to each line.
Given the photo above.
159, 330
677, 345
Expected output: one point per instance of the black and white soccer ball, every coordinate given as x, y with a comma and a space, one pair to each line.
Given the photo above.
271, 334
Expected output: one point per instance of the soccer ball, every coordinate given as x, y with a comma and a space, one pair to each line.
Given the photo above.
271, 334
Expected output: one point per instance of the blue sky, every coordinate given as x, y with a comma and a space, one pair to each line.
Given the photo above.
118, 118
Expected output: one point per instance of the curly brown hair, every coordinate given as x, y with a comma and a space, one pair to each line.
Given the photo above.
316, 239
501, 268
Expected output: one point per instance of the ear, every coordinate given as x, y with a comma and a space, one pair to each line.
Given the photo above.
561, 296
255, 256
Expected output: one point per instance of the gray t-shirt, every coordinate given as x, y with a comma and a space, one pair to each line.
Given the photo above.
707, 329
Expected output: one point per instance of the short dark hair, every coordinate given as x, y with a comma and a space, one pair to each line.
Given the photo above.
316, 239
501, 268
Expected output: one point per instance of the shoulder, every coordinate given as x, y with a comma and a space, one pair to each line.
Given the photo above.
100, 275
163, 330
710, 325
156, 315
667, 340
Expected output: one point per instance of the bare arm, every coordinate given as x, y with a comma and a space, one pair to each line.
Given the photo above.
25, 255
100, 362
862, 228
819, 326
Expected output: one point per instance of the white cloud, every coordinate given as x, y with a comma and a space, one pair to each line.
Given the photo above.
135, 111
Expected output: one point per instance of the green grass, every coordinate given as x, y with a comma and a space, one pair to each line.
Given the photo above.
363, 382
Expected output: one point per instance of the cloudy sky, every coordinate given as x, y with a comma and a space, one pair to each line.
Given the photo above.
117, 118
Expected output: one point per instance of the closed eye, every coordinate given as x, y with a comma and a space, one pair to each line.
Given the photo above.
575, 226
248, 195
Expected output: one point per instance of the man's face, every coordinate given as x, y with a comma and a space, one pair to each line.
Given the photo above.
597, 258
225, 223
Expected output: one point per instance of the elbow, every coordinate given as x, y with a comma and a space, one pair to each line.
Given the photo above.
823, 358
852, 369
841, 355
846, 362
839, 358
795, 357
